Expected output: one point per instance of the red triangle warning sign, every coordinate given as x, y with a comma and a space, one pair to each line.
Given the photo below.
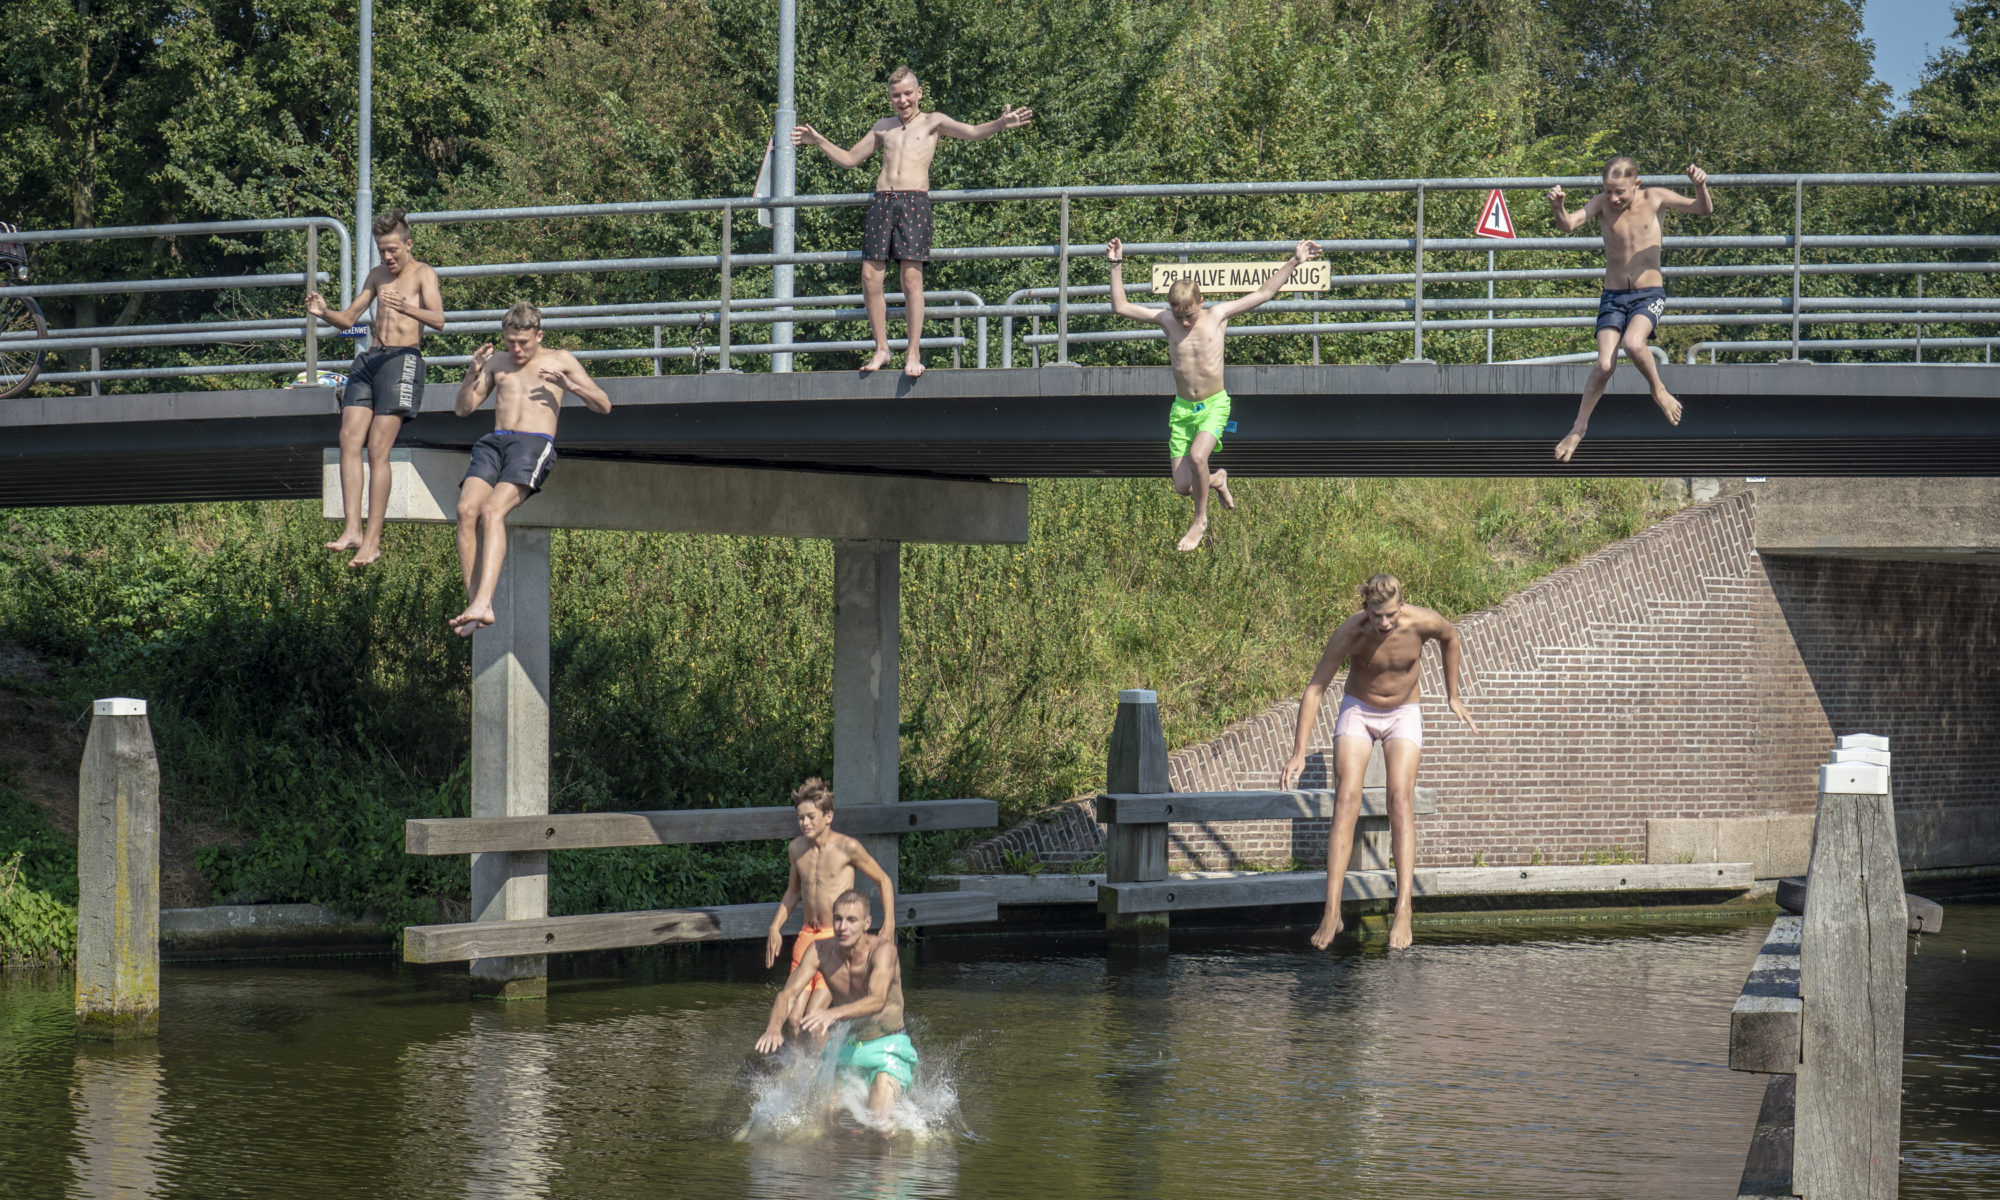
1494, 220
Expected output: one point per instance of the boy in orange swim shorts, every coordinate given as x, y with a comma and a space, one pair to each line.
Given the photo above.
824, 864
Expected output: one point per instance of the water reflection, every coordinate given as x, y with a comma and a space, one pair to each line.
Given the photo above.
499, 1071
853, 1165
115, 1099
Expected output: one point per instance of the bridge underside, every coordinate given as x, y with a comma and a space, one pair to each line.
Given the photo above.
1414, 419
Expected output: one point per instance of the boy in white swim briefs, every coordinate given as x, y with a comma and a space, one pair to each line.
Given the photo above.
1385, 642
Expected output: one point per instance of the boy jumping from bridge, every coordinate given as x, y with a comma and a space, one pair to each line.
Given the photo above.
385, 386
1385, 640
899, 215
1199, 415
513, 462
1635, 292
823, 868
864, 979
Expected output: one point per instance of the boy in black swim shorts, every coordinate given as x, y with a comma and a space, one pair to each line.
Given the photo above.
1635, 293
513, 462
899, 216
385, 386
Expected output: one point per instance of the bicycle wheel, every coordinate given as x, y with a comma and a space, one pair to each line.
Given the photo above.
21, 324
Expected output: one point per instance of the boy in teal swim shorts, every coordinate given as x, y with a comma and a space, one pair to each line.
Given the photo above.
865, 980
1199, 415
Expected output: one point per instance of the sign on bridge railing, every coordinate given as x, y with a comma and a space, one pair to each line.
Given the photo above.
1242, 276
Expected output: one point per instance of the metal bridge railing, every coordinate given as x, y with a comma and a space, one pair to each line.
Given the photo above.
1417, 314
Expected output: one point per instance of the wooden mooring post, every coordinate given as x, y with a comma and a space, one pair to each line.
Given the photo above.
1136, 763
1823, 1008
118, 876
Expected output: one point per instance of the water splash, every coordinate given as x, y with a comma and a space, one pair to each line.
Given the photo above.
806, 1096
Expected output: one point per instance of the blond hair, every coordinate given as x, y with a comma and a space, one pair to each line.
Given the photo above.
901, 73
522, 316
1621, 167
1183, 294
815, 792
1379, 590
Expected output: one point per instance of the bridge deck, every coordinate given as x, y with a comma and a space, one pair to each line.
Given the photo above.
1411, 419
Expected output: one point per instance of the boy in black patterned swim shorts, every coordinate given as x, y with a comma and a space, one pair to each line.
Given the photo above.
899, 217
1635, 292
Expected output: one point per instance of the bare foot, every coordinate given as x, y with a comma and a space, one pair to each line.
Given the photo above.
1668, 405
913, 367
1220, 482
471, 619
1328, 930
1191, 540
367, 556
1399, 931
1567, 447
346, 541
880, 360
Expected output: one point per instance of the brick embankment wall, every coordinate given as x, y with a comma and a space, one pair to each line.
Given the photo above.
1676, 674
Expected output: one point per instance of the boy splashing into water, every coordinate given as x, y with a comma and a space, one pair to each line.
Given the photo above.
1199, 415
1635, 292
823, 867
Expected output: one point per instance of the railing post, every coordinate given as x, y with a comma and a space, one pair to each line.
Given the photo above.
1798, 257
1920, 308
312, 322
1851, 974
722, 318
656, 347
118, 876
1062, 287
981, 323
1136, 763
1489, 307
96, 365
958, 334
1418, 352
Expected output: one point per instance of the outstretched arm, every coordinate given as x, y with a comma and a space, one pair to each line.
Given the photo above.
1337, 648
806, 135
1700, 204
882, 970
1304, 253
1012, 118
472, 392
1115, 253
865, 863
774, 1029
1446, 635
1567, 221
569, 375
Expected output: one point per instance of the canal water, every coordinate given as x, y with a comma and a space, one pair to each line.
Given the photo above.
1549, 1061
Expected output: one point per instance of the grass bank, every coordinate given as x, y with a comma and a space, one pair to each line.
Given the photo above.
303, 711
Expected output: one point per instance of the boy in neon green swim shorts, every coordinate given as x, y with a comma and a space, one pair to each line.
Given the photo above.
865, 981
1200, 412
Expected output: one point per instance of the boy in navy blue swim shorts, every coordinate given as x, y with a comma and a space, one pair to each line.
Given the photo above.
513, 462
1635, 293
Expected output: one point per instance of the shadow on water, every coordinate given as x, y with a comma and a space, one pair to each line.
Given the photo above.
1507, 1061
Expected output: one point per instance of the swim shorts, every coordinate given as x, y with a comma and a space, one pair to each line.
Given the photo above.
891, 1055
808, 934
898, 228
511, 456
389, 379
1615, 310
1379, 724
1188, 417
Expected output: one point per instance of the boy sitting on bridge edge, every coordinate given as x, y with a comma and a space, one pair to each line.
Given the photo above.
823, 868
1199, 415
511, 463
385, 386
899, 214
1635, 292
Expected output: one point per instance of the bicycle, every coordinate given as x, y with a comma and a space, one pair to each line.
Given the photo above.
21, 321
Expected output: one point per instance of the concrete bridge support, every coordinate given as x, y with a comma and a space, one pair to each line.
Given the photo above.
867, 711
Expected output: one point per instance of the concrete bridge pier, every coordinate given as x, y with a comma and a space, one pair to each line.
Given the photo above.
510, 756
867, 697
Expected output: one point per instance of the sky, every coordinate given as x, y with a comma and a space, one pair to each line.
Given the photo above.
1906, 34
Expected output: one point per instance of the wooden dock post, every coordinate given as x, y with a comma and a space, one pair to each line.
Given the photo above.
118, 876
1136, 763
1851, 973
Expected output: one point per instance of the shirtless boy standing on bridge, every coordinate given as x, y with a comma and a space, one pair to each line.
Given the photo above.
1635, 292
864, 978
823, 868
1199, 415
511, 463
899, 216
385, 386
1386, 643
